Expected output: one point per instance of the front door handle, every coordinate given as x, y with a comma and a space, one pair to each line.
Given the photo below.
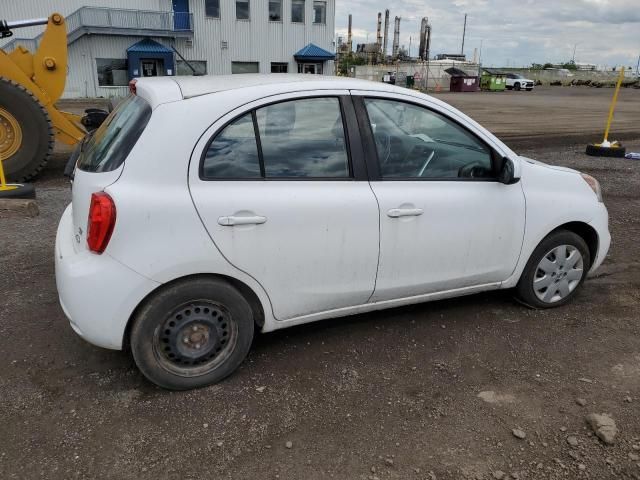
405, 212
234, 220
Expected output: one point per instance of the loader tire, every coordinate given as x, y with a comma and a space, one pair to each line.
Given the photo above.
26, 132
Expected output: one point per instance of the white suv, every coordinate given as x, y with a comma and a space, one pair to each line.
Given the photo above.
516, 81
205, 208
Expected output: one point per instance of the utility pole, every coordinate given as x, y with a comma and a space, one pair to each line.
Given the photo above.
638, 67
464, 32
573, 57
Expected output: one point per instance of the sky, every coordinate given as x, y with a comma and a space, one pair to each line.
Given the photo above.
511, 33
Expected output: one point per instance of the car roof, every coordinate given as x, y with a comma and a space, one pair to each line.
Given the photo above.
159, 89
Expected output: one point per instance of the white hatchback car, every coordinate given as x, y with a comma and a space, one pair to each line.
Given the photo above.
205, 208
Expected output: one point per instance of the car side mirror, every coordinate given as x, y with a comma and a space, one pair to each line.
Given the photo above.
506, 173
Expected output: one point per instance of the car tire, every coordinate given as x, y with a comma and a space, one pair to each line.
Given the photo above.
516, 86
548, 280
19, 190
598, 151
192, 333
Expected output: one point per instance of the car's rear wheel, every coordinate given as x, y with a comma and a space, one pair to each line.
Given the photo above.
192, 333
555, 270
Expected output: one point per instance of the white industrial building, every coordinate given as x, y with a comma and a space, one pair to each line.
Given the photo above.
111, 41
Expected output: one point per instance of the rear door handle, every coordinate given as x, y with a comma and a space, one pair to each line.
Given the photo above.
233, 220
405, 212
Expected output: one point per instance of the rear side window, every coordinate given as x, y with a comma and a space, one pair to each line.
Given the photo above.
234, 152
107, 148
302, 138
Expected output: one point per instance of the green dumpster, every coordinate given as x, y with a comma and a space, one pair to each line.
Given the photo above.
493, 81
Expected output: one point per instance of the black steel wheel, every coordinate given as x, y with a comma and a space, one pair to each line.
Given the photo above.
195, 338
192, 333
517, 86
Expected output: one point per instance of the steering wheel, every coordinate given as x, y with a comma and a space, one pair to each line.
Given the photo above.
472, 170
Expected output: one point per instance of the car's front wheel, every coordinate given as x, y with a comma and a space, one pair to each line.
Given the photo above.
555, 270
516, 86
192, 333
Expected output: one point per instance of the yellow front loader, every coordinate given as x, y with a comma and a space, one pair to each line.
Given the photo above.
30, 85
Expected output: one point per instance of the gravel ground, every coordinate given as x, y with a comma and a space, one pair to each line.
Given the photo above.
471, 388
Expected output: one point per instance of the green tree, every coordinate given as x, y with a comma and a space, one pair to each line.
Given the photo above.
348, 61
570, 65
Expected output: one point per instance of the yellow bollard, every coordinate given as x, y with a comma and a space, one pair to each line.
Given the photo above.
607, 148
3, 181
605, 142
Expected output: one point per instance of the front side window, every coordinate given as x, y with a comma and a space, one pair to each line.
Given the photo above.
319, 12
303, 138
297, 11
275, 10
295, 139
242, 9
414, 142
212, 8
112, 72
234, 152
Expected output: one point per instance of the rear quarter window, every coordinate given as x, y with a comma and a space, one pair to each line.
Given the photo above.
107, 148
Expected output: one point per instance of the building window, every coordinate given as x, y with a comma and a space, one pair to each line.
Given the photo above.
112, 72
244, 67
200, 67
312, 68
297, 11
275, 10
319, 12
242, 9
277, 67
212, 8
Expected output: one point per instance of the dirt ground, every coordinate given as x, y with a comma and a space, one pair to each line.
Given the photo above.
432, 391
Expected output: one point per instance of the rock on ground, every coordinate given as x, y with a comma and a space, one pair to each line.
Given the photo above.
603, 426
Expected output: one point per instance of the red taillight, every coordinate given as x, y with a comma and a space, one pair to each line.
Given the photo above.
132, 86
102, 219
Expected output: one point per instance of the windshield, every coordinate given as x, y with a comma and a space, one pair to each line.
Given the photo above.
515, 75
108, 147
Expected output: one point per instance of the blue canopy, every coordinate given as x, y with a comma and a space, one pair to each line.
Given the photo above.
147, 49
313, 53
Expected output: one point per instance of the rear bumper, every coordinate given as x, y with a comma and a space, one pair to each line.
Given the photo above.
97, 293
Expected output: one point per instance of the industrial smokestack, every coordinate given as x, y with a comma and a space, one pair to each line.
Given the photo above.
396, 38
386, 34
423, 38
379, 33
349, 36
427, 47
